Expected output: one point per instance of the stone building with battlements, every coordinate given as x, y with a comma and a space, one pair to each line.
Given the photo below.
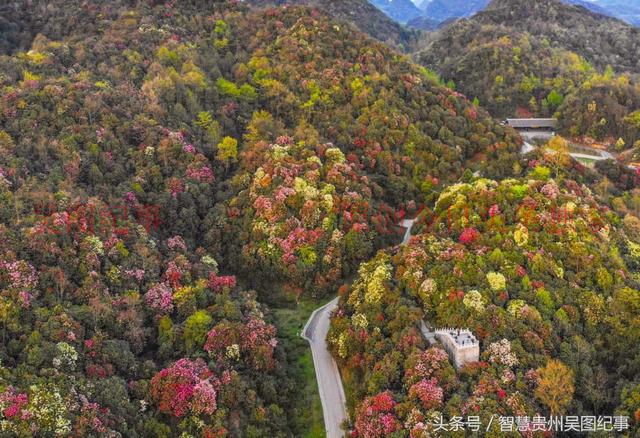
461, 345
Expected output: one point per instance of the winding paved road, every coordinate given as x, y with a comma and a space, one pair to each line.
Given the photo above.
329, 382
526, 148
334, 402
588, 153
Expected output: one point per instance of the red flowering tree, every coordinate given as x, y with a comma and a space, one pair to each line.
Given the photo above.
13, 403
469, 235
220, 283
375, 417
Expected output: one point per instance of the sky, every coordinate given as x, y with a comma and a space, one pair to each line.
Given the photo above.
630, 2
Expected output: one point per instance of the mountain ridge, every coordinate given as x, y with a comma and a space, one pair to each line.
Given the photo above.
545, 60
362, 13
572, 27
442, 10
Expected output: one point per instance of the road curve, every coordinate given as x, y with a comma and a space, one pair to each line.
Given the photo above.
408, 224
334, 402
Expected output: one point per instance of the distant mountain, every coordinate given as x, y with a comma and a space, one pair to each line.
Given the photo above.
594, 7
442, 10
424, 23
628, 10
400, 10
600, 39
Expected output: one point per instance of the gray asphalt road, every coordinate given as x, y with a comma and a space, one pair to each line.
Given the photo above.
327, 373
408, 224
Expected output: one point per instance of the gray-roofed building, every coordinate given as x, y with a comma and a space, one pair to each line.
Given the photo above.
462, 345
533, 124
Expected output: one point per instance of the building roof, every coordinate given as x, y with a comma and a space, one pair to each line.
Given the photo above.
532, 123
461, 338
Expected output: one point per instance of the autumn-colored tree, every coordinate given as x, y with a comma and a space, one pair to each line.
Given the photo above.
227, 149
211, 127
556, 386
195, 330
558, 149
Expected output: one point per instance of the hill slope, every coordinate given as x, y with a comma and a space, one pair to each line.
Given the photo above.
601, 40
508, 260
361, 13
19, 24
153, 150
522, 60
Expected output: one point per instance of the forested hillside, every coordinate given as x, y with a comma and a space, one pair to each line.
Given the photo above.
21, 21
540, 271
165, 168
544, 60
601, 40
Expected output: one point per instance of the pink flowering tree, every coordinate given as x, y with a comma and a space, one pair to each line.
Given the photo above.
93, 419
177, 243
160, 298
18, 279
186, 387
19, 274
202, 174
428, 392
13, 404
432, 363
